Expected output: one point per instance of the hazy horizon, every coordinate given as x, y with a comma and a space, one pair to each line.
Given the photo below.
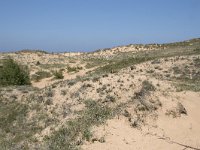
97, 48
63, 26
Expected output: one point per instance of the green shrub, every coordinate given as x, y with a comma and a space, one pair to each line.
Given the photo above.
12, 73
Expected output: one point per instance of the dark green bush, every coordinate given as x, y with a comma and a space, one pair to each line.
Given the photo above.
12, 73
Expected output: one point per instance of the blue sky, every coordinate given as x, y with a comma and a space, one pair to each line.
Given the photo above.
86, 25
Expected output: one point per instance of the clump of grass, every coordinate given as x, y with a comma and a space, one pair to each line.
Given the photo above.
79, 128
48, 92
40, 75
71, 60
145, 90
58, 74
38, 63
176, 70
150, 71
147, 86
12, 73
73, 69
63, 92
110, 98
71, 82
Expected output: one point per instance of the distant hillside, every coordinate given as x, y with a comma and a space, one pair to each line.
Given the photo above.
31, 51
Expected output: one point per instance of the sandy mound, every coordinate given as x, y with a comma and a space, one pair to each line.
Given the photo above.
166, 133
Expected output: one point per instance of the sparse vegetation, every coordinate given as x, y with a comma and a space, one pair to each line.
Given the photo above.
189, 77
188, 86
115, 66
16, 130
91, 63
78, 129
40, 75
51, 66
